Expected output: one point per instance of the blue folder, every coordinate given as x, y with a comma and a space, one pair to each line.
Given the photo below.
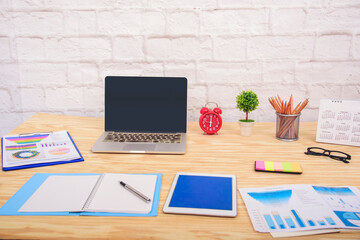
12, 206
81, 159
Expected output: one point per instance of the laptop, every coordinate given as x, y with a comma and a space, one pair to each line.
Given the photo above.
144, 115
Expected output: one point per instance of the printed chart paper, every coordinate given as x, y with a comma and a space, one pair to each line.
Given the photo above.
302, 207
339, 122
22, 150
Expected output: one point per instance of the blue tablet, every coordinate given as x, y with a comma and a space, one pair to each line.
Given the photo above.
202, 194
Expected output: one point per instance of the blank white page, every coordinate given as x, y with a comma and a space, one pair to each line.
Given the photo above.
61, 194
112, 197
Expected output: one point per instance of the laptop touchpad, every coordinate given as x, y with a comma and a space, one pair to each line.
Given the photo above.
139, 147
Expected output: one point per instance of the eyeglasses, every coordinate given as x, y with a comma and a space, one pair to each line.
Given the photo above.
337, 155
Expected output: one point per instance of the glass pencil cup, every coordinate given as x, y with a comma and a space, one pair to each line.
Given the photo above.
287, 127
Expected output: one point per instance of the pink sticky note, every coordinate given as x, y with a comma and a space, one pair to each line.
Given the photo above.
260, 165
278, 166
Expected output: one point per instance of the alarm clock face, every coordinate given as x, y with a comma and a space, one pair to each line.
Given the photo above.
210, 122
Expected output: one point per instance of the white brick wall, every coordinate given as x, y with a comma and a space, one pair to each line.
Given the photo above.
54, 55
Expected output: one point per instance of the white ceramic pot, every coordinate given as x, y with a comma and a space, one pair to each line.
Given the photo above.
246, 128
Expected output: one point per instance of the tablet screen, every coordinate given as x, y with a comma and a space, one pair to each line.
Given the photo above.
203, 192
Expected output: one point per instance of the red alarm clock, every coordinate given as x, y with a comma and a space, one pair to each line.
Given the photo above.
210, 120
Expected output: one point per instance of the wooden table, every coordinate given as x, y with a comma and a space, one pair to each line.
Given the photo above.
225, 153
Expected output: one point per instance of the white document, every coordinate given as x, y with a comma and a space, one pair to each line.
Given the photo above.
112, 197
291, 208
37, 148
61, 194
339, 122
92, 193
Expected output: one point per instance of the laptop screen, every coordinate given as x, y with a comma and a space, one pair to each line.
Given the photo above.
145, 104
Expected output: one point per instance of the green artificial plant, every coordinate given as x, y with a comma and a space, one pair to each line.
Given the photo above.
247, 101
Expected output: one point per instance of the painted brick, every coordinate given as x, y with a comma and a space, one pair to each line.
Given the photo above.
78, 48
33, 99
215, 72
333, 47
226, 48
62, 49
234, 21
153, 23
278, 72
30, 48
6, 23
130, 4
289, 20
5, 100
4, 4
197, 97
224, 96
279, 3
79, 4
38, 23
83, 22
94, 98
281, 47
9, 74
351, 91
356, 47
64, 98
316, 92
11, 121
46, 74
187, 70
343, 73
181, 4
4, 48
235, 3
83, 74
345, 3
183, 23
26, 4
333, 18
51, 49
120, 22
179, 48
129, 48
131, 69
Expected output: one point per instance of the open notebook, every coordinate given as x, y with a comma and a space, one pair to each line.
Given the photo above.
92, 193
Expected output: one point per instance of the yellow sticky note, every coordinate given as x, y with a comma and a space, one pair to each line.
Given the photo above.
269, 166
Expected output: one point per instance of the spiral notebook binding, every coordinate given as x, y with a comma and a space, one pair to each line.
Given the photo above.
92, 194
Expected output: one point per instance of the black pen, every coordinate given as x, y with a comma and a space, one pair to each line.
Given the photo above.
137, 193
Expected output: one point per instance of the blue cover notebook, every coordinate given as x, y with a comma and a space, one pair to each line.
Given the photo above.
12, 206
38, 150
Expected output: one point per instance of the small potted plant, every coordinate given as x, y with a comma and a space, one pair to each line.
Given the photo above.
247, 101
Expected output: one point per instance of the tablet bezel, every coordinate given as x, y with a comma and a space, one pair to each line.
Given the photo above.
202, 211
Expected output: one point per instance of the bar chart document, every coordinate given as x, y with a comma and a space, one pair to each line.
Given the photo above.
289, 208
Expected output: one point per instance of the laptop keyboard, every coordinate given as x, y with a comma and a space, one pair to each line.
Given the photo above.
143, 137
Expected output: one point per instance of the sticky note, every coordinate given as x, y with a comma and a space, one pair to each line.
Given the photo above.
287, 167
269, 166
260, 165
280, 167
296, 167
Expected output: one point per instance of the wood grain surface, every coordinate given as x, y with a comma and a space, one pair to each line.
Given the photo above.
225, 153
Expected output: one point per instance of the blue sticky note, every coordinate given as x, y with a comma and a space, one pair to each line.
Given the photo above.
203, 192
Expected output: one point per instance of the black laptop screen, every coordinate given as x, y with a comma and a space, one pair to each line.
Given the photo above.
145, 104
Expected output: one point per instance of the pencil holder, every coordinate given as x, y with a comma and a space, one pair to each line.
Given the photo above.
287, 127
